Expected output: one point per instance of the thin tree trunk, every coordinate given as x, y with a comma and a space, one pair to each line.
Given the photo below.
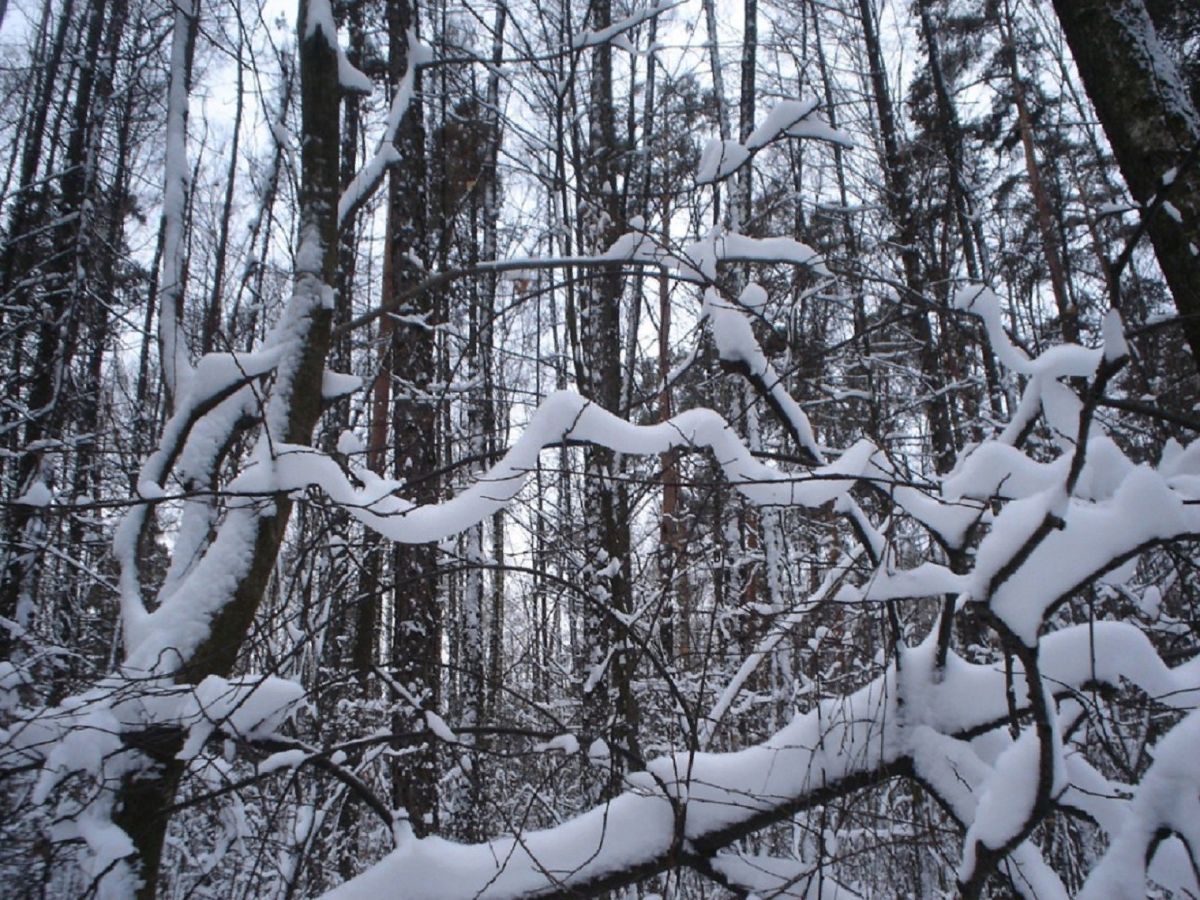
609, 707
60, 306
175, 200
216, 299
676, 633
1068, 314
899, 203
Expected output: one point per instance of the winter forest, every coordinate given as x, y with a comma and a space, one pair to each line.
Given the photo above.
624, 448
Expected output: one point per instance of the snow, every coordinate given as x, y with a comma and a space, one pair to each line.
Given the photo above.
1150, 602
1115, 346
925, 580
369, 177
563, 415
107, 847
37, 494
587, 39
1168, 797
84, 735
995, 469
150, 490
439, 727
781, 117
568, 744
1115, 509
953, 770
351, 79
819, 748
1065, 360
336, 384
1006, 800
795, 118
162, 639
599, 753
732, 332
719, 160
319, 17
753, 296
12, 679
284, 759
636, 244
242, 707
781, 628
176, 368
914, 711
350, 444
1094, 534
736, 343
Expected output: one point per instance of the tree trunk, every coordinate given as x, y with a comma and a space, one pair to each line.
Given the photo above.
899, 202
142, 801
1154, 130
417, 629
1067, 312
609, 707
59, 306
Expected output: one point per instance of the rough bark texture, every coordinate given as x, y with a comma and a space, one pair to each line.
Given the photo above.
416, 637
1154, 129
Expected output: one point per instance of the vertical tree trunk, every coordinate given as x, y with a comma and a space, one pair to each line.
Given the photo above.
28, 203
216, 298
59, 303
610, 708
899, 202
370, 574
951, 133
677, 630
746, 109
417, 628
171, 284
88, 401
850, 239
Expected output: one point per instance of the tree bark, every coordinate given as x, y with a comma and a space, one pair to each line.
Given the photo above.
1154, 129
417, 629
142, 801
609, 707
1067, 312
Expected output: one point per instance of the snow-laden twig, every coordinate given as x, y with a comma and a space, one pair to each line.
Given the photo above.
842, 745
586, 39
370, 176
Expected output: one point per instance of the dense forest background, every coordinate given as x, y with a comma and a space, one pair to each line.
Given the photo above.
689, 449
